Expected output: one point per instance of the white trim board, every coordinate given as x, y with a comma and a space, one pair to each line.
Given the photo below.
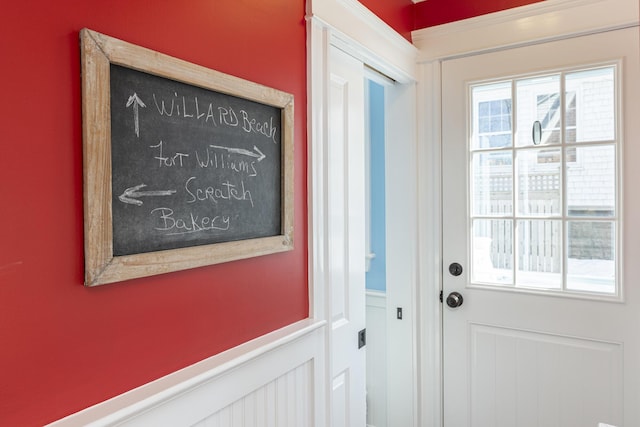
346, 25
376, 299
356, 29
534, 23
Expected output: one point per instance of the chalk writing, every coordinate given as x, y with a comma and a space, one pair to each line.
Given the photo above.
225, 161
131, 194
176, 159
259, 155
226, 191
252, 125
136, 102
228, 116
212, 163
166, 222
191, 109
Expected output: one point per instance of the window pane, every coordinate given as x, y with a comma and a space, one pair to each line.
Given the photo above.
591, 258
492, 183
558, 169
591, 182
570, 118
592, 92
539, 182
539, 254
491, 117
538, 100
492, 251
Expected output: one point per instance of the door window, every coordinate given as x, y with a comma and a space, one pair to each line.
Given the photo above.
544, 192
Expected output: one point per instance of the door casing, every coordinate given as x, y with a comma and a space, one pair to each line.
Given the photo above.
348, 26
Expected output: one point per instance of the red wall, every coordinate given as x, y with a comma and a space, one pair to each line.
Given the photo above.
404, 16
436, 12
64, 347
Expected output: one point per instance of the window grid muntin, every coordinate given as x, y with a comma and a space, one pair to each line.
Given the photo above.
569, 153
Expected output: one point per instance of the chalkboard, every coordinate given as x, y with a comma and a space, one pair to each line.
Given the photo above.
184, 166
190, 166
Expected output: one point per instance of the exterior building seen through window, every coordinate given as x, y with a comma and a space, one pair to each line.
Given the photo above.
544, 211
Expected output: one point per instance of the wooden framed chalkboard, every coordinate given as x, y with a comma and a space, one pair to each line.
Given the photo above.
183, 166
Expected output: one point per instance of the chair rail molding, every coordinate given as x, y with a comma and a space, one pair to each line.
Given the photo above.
244, 382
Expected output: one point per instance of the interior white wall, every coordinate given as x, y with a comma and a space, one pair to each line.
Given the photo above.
402, 252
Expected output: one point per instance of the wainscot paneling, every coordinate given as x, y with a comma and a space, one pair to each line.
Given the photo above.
376, 359
270, 381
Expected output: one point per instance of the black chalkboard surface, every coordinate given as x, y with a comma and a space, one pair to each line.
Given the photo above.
184, 166
191, 166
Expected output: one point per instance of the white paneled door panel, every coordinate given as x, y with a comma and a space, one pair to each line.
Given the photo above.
346, 228
540, 163
524, 378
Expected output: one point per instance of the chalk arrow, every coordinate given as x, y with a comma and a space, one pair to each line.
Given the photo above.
259, 155
130, 194
136, 102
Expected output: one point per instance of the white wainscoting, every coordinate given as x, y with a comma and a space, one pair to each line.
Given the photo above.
275, 380
285, 401
376, 359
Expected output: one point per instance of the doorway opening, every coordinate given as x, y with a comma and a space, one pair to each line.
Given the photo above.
376, 281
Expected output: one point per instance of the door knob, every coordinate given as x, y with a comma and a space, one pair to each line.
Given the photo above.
455, 269
454, 300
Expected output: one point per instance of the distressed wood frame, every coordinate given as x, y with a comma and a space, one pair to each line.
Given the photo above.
98, 51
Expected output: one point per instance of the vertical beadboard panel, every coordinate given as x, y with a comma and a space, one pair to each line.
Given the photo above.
250, 407
539, 379
260, 408
376, 359
273, 381
270, 398
283, 402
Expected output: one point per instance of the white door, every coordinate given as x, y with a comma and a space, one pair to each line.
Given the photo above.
345, 198
541, 212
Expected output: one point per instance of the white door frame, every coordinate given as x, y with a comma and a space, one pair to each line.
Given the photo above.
349, 26
535, 23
